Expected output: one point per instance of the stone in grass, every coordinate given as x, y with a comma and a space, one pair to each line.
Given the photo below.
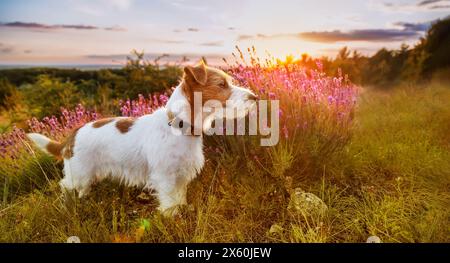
275, 229
373, 239
73, 239
306, 203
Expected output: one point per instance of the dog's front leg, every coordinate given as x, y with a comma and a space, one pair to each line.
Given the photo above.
171, 193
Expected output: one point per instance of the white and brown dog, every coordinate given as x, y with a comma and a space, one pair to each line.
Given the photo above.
146, 151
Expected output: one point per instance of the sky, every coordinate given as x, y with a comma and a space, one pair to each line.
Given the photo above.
68, 32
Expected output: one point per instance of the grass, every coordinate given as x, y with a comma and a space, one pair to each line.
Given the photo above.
391, 180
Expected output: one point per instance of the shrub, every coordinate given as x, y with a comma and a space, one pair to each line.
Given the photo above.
47, 94
316, 112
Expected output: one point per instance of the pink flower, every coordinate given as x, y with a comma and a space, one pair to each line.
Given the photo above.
330, 99
142, 106
302, 93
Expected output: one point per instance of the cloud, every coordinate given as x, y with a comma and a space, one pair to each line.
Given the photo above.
43, 26
212, 44
434, 4
419, 27
38, 26
190, 29
262, 36
167, 41
115, 28
9, 49
402, 31
26, 25
170, 41
6, 49
245, 37
375, 35
78, 27
421, 6
439, 7
427, 2
213, 59
231, 28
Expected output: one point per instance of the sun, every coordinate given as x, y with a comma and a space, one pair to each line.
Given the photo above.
281, 48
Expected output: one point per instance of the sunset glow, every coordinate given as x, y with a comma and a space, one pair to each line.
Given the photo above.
104, 32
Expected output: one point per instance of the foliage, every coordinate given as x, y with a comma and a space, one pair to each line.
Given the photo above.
316, 112
7, 94
46, 96
391, 180
142, 106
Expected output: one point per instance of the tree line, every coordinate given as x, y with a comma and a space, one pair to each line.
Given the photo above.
428, 59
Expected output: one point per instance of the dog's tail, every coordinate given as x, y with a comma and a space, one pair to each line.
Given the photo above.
46, 144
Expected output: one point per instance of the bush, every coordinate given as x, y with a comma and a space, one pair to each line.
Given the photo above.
316, 113
47, 95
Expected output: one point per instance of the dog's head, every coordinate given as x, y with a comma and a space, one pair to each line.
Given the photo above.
219, 96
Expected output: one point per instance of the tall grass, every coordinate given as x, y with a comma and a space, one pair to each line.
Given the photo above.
381, 168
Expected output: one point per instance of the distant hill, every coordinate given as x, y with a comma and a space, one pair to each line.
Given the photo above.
79, 67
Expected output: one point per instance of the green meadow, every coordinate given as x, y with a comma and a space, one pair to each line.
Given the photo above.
391, 179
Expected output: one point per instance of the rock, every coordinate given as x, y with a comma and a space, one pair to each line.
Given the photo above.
373, 239
306, 203
275, 229
73, 239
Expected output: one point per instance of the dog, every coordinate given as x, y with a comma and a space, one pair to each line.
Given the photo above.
148, 151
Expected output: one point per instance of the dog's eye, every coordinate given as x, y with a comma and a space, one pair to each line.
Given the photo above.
223, 85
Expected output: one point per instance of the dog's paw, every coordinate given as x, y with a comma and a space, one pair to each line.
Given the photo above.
68, 200
169, 212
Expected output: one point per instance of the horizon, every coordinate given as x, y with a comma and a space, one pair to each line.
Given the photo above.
104, 32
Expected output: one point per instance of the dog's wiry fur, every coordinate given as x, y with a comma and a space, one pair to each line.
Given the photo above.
144, 151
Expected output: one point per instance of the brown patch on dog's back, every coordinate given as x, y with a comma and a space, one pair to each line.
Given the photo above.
124, 125
70, 144
102, 122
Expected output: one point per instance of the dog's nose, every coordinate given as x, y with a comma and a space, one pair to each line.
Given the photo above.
252, 96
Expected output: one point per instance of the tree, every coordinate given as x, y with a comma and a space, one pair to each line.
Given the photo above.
47, 95
436, 47
7, 94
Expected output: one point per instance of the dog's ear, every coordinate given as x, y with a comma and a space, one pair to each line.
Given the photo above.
197, 73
